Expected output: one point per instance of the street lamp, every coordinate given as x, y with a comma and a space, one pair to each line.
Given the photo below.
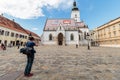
88, 36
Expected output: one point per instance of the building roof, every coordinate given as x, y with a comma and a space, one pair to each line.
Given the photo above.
74, 6
32, 34
10, 24
109, 22
6, 23
53, 24
81, 24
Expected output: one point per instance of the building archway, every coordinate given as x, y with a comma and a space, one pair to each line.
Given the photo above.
60, 39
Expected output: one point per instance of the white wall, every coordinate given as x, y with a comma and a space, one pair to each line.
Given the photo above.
84, 29
83, 41
45, 37
73, 13
68, 34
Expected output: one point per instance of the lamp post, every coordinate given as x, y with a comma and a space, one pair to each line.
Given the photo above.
88, 41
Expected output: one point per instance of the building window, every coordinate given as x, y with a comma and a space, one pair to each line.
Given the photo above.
16, 35
114, 33
113, 27
79, 38
71, 37
75, 15
7, 33
109, 34
2, 32
25, 37
50, 37
0, 41
12, 34
104, 31
109, 29
20, 36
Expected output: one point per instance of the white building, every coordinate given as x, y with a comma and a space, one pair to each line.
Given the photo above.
65, 31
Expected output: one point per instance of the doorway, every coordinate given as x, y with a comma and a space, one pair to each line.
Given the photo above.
60, 39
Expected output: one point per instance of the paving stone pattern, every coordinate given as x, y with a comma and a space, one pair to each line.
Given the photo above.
63, 63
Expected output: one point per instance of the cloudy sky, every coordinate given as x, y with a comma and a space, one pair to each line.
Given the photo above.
32, 14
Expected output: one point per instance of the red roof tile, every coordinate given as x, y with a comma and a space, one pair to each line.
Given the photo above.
33, 34
4, 22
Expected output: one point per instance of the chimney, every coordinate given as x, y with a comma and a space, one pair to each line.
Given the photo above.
13, 20
1, 14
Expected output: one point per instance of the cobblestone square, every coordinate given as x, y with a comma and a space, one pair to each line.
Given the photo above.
63, 63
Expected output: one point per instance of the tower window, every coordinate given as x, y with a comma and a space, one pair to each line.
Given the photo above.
75, 15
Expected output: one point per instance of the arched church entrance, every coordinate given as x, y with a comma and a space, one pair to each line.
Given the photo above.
60, 39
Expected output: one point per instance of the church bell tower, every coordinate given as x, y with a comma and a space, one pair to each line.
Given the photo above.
75, 14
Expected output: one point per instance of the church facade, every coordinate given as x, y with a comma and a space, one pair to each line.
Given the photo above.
61, 31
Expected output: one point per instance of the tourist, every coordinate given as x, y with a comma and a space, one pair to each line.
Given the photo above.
3, 47
76, 45
18, 45
30, 57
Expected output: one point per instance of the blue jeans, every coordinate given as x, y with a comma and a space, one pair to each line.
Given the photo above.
30, 59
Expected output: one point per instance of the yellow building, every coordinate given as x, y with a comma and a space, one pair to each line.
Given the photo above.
12, 34
36, 37
108, 34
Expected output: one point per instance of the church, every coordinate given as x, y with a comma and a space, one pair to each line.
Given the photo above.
61, 31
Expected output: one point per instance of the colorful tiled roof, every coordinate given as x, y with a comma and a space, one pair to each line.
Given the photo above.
68, 24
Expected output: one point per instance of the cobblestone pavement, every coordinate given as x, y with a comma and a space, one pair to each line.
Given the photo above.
63, 63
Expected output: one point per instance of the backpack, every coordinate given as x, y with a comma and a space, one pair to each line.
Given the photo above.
26, 50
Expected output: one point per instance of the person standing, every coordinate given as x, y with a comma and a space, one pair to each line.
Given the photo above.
30, 57
18, 45
3, 46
